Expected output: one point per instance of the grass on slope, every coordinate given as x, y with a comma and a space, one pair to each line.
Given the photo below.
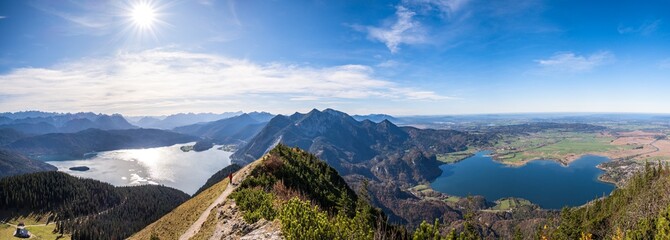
455, 156
38, 232
175, 223
510, 203
208, 227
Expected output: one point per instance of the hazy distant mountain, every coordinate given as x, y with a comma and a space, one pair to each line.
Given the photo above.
5, 120
75, 145
41, 123
27, 114
13, 163
182, 119
261, 116
147, 121
234, 130
31, 128
377, 118
375, 150
8, 135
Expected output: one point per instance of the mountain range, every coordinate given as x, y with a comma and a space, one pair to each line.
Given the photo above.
35, 123
379, 151
58, 146
235, 130
184, 119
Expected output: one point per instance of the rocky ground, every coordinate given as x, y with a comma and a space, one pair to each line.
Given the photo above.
231, 225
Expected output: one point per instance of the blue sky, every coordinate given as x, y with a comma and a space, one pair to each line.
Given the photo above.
363, 56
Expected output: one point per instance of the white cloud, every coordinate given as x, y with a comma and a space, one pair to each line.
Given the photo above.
388, 64
181, 81
3, 17
405, 30
571, 62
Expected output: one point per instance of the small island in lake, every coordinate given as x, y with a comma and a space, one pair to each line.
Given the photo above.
80, 168
187, 148
202, 145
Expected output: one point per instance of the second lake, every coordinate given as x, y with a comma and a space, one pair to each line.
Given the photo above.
543, 182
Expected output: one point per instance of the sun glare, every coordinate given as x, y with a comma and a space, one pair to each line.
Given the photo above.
143, 15
143, 20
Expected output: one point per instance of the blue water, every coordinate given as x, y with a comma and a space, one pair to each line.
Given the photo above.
543, 182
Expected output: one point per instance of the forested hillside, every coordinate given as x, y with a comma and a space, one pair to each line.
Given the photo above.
13, 163
640, 210
86, 208
309, 199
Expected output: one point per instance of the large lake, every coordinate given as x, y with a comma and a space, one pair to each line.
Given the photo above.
169, 166
544, 182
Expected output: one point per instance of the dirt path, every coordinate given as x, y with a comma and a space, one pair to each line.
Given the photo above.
32, 225
195, 227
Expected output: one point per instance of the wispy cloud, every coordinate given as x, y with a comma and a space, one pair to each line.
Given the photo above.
446, 7
206, 2
3, 17
404, 30
178, 80
645, 28
388, 64
84, 18
572, 62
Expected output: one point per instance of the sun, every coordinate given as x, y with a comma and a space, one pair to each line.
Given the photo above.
143, 19
143, 15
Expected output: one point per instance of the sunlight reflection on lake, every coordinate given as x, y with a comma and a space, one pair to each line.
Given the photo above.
169, 166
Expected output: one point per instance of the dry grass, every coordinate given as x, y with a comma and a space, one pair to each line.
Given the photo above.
663, 152
208, 227
638, 133
284, 193
175, 223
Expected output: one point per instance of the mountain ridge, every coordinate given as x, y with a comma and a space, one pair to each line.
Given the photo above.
75, 145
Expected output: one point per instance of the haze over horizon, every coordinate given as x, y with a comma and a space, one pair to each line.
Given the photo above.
428, 57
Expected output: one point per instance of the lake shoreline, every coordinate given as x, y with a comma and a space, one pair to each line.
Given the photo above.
528, 181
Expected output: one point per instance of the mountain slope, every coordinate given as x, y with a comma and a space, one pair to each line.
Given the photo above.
234, 130
387, 158
13, 163
75, 145
640, 210
173, 224
8, 135
374, 150
264, 203
85, 208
